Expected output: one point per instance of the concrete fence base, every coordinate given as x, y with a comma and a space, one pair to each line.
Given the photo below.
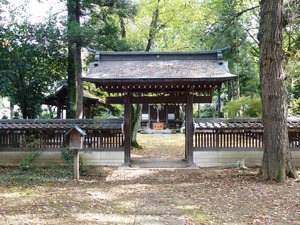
201, 158
230, 158
54, 158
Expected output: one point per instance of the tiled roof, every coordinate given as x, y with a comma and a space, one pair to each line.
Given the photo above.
115, 124
158, 68
61, 124
168, 69
251, 123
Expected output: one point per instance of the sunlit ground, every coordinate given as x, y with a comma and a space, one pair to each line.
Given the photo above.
160, 146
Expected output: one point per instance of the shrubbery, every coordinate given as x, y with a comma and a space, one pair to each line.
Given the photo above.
245, 106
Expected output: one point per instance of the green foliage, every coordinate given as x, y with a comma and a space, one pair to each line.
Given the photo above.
240, 165
68, 156
33, 57
28, 162
100, 111
245, 106
30, 144
105, 29
205, 111
47, 113
38, 176
292, 71
171, 31
231, 24
295, 107
204, 25
32, 60
291, 49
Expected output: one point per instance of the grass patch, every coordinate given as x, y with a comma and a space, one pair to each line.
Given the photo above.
14, 176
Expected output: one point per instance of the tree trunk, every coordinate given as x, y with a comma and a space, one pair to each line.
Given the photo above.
78, 66
238, 90
276, 163
11, 109
136, 117
79, 111
231, 89
136, 110
123, 27
75, 95
153, 27
72, 83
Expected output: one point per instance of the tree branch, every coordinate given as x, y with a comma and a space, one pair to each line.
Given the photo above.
238, 15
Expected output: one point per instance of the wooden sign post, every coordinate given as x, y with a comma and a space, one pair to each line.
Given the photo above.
76, 136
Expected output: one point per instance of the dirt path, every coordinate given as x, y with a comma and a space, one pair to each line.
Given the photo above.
109, 195
112, 195
162, 146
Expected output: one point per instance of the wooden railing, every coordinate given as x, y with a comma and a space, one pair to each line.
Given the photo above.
49, 135
211, 134
103, 135
48, 141
228, 139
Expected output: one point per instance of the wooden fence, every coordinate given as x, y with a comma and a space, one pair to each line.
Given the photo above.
229, 139
106, 134
49, 135
212, 134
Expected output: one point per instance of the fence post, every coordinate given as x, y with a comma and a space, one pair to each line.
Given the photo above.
76, 136
76, 164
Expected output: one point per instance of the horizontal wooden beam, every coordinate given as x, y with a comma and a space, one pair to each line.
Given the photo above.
202, 99
158, 99
115, 149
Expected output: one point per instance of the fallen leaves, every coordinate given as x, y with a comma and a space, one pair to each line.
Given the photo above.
196, 196
108, 195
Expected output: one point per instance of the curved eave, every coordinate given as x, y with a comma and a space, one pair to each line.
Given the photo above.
148, 81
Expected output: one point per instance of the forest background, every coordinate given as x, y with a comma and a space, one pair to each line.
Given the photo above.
33, 60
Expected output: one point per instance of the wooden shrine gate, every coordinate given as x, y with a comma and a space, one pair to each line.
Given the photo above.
156, 78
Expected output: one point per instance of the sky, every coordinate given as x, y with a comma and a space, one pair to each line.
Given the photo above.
40, 10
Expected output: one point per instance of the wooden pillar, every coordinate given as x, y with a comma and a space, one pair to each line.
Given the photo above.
149, 116
58, 113
76, 164
167, 116
127, 130
87, 111
219, 102
92, 112
189, 128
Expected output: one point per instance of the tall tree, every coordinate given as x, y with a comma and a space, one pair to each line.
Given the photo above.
292, 54
136, 109
164, 25
233, 23
97, 30
106, 25
276, 164
75, 87
108, 33
32, 61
